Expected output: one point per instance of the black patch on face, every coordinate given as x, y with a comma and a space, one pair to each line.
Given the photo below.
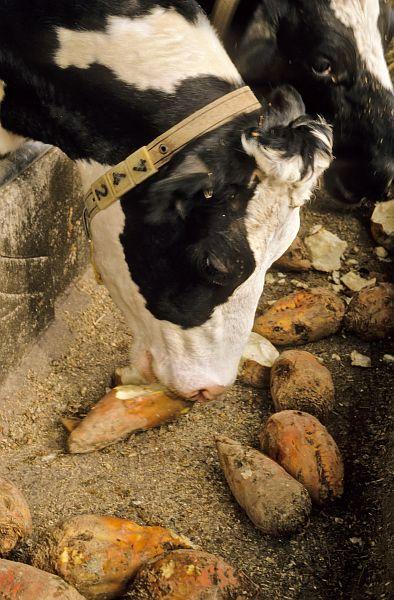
188, 253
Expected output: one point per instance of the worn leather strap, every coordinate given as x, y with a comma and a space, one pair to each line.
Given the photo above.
222, 15
146, 161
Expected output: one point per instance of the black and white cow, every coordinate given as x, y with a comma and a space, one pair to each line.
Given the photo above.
332, 51
100, 79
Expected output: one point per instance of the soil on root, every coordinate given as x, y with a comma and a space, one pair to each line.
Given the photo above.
171, 476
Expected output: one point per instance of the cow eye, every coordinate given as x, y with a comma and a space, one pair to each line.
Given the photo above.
322, 67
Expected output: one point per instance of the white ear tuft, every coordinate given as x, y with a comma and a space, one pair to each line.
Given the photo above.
293, 154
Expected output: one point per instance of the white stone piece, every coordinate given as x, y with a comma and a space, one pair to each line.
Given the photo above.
315, 229
360, 360
382, 224
381, 252
326, 250
355, 282
384, 215
260, 350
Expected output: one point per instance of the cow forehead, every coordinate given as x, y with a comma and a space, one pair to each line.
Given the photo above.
361, 16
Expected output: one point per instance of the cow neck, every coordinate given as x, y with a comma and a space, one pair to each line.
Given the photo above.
146, 161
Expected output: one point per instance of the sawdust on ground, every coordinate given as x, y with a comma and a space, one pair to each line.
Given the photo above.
171, 476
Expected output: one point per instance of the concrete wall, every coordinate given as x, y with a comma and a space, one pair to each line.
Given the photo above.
42, 245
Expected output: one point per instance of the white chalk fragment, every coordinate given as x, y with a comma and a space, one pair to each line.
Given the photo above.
382, 224
299, 284
326, 250
360, 360
260, 350
355, 282
315, 229
269, 279
381, 252
336, 277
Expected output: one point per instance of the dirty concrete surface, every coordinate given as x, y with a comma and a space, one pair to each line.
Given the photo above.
171, 476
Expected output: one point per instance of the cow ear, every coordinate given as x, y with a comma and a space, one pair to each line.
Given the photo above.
292, 153
173, 196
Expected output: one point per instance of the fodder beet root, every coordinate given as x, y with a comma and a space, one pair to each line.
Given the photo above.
22, 582
300, 382
125, 410
15, 517
303, 446
370, 314
257, 359
275, 502
185, 574
296, 258
305, 316
99, 554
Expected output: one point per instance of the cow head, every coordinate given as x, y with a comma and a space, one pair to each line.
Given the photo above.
332, 51
185, 253
185, 256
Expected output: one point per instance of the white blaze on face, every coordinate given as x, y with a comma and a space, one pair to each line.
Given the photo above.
155, 51
361, 16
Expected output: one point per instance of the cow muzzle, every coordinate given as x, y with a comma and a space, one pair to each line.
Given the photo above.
143, 372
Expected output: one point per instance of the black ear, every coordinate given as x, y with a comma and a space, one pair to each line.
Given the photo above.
282, 106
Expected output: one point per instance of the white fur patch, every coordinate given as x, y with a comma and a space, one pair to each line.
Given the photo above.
287, 171
155, 51
361, 16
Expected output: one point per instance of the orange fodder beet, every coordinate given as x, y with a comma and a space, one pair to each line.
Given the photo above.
185, 575
124, 410
305, 449
99, 554
22, 582
15, 517
300, 382
305, 316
